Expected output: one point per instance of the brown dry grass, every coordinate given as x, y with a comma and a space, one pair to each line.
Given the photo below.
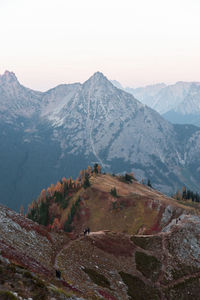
136, 209
106, 182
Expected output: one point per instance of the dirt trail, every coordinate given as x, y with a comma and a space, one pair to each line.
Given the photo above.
166, 257
97, 232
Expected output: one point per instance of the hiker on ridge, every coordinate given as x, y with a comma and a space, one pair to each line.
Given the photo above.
86, 231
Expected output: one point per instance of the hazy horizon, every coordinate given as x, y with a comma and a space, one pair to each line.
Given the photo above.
46, 43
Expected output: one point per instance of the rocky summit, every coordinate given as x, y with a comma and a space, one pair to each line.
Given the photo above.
142, 245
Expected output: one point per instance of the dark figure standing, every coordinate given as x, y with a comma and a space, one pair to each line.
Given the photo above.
86, 231
58, 274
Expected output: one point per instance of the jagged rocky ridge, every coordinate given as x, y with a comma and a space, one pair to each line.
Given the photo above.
53, 134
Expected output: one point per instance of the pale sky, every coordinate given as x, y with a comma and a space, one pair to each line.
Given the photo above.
137, 42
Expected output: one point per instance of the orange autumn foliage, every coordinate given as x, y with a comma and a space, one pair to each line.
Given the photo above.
56, 224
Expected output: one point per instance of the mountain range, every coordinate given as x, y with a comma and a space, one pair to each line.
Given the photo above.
179, 103
45, 136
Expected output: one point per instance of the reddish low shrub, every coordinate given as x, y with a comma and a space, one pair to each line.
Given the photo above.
30, 225
117, 245
106, 295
